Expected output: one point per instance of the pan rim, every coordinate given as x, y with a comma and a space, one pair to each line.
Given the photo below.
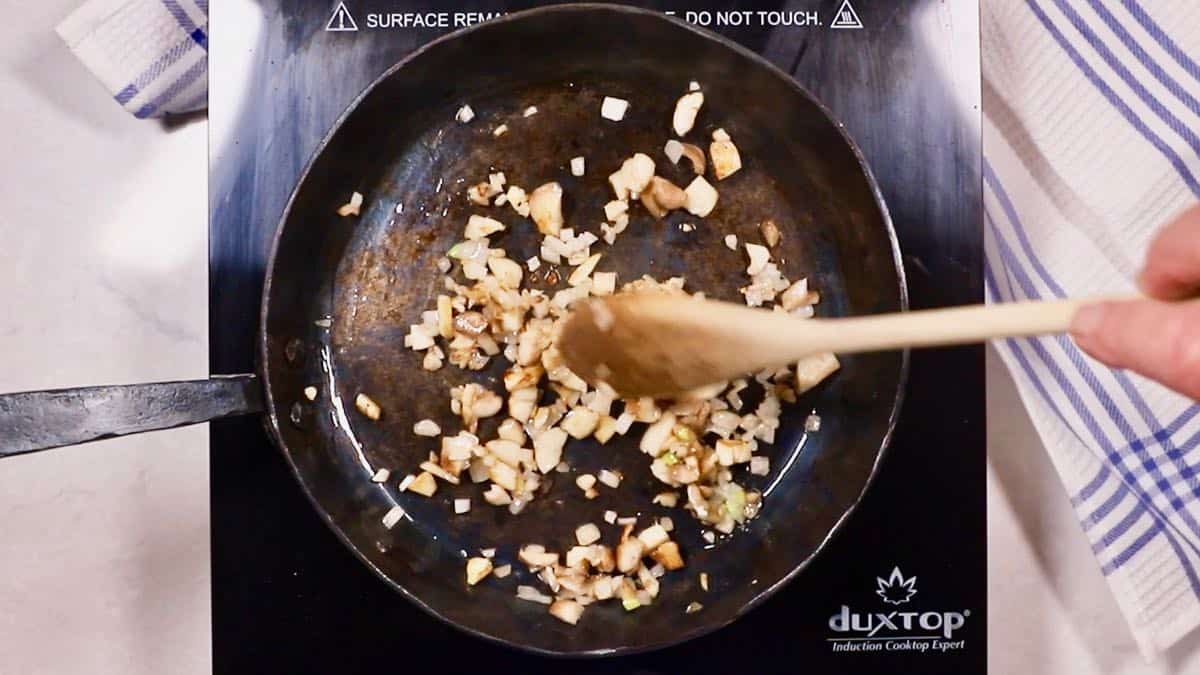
271, 411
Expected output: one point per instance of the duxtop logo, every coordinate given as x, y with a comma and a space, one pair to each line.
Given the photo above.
897, 630
896, 590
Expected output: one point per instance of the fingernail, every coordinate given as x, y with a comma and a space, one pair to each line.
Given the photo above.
1088, 320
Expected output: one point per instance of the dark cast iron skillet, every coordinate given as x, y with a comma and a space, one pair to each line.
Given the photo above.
372, 276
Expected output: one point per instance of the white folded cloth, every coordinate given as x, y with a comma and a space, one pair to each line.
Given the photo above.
1091, 142
151, 54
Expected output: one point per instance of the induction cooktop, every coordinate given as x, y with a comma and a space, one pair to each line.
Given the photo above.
902, 586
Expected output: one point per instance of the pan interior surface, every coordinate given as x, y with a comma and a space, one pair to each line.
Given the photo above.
372, 276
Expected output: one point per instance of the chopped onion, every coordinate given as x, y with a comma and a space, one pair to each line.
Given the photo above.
812, 370
381, 476
731, 242
405, 482
812, 423
585, 481
435, 470
567, 611
500, 130
759, 257
629, 554
760, 466
673, 150
582, 272
462, 505
656, 435
701, 197
577, 166
427, 428
693, 607
547, 449
615, 208
652, 537
392, 517
610, 517
479, 227
613, 108
504, 475
580, 423
667, 499
353, 207
536, 556
502, 571
633, 176
545, 207
533, 595
530, 111
497, 496
465, 114
686, 109
310, 393
369, 408
610, 478
587, 534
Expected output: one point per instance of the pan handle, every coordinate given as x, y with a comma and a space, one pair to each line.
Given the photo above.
40, 420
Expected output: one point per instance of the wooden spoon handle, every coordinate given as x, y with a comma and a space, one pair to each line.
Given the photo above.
940, 327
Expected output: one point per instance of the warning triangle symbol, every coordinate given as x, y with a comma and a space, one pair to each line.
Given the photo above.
341, 21
846, 17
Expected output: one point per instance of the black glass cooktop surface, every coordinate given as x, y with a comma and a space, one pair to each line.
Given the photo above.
900, 589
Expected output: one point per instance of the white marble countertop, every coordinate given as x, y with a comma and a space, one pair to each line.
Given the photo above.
104, 559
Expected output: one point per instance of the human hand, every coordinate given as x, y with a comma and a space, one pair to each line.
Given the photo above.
1158, 339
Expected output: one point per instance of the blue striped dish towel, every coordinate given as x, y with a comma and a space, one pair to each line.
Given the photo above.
1091, 142
151, 54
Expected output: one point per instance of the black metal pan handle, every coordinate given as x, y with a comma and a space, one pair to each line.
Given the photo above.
40, 420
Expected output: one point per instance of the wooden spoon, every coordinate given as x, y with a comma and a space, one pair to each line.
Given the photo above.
662, 345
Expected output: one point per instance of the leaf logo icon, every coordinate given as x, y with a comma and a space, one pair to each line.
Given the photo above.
896, 590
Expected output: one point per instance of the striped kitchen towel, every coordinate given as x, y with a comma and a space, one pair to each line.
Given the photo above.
151, 54
1091, 142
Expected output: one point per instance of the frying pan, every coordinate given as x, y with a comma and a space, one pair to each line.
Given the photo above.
340, 292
